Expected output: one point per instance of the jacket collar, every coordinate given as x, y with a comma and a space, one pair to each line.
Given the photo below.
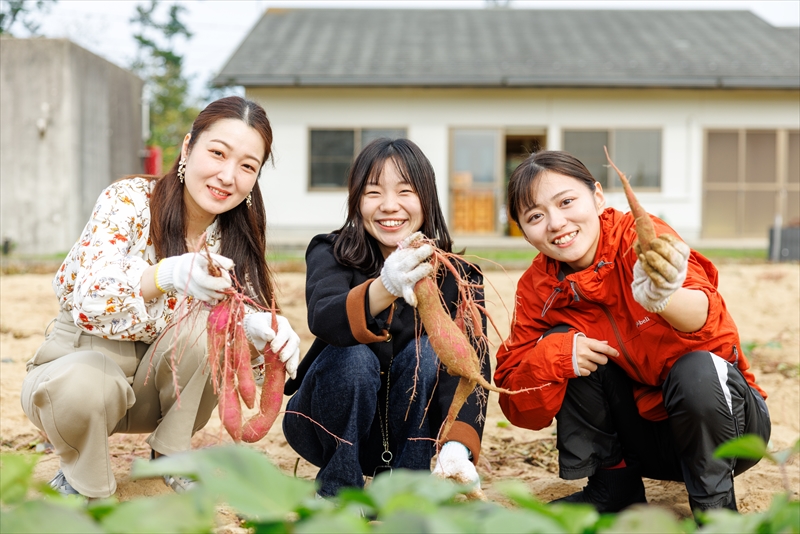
555, 287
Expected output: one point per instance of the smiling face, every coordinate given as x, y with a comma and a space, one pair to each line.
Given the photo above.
563, 223
390, 208
221, 169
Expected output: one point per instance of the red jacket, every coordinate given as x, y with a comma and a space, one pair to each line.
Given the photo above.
598, 302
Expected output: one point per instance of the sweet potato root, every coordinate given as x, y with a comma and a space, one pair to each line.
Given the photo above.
645, 231
452, 347
230, 360
271, 393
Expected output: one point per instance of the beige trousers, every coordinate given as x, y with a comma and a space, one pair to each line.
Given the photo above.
81, 388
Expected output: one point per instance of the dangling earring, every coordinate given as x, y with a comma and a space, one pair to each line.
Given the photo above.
249, 200
182, 170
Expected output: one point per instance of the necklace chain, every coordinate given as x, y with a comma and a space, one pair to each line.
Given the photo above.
386, 455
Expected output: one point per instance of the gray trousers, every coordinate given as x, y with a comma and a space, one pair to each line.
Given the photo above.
81, 388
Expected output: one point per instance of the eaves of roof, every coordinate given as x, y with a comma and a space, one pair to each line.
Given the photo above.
515, 48
683, 82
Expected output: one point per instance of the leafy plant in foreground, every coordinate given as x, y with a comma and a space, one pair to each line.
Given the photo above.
403, 501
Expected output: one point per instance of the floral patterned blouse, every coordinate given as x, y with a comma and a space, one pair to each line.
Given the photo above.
100, 279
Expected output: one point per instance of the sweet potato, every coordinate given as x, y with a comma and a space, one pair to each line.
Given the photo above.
230, 357
452, 347
271, 393
645, 231
229, 338
230, 411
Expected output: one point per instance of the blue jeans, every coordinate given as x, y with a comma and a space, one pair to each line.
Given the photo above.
343, 392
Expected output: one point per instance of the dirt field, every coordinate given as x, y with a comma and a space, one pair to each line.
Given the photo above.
764, 300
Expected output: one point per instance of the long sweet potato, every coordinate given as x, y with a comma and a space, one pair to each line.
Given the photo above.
271, 398
271, 393
229, 354
452, 347
645, 230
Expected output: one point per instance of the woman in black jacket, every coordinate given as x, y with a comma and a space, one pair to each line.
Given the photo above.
371, 377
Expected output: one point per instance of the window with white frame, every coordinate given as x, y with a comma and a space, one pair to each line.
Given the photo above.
332, 151
636, 152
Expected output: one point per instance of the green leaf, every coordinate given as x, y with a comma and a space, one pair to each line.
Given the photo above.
406, 521
401, 488
519, 521
341, 523
571, 517
575, 517
725, 521
274, 527
783, 515
188, 512
688, 525
503, 424
518, 491
36, 517
17, 472
240, 476
355, 496
99, 508
647, 520
749, 446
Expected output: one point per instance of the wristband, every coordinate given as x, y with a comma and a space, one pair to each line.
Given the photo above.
575, 368
158, 266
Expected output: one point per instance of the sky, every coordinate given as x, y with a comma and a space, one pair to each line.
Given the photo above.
219, 27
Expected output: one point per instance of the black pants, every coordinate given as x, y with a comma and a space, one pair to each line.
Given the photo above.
708, 402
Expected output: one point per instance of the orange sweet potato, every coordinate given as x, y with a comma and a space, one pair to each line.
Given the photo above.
645, 230
452, 347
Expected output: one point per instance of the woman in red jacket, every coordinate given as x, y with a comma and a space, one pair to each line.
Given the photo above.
643, 364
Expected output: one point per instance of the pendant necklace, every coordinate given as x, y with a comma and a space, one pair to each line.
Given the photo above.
386, 455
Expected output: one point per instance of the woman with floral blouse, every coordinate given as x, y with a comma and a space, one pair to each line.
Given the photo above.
106, 366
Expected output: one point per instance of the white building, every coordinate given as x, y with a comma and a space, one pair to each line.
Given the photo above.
702, 109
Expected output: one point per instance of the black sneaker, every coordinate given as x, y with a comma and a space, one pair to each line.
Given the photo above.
610, 490
60, 484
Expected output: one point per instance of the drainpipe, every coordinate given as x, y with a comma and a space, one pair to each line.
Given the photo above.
775, 249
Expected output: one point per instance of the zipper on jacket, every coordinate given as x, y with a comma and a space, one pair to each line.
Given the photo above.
602, 263
550, 299
617, 334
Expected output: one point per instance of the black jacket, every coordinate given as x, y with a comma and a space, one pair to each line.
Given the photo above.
338, 314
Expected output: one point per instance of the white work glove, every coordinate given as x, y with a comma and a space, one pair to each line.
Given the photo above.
405, 267
453, 462
660, 272
188, 275
285, 342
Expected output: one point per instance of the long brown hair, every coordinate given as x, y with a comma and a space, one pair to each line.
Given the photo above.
355, 247
243, 230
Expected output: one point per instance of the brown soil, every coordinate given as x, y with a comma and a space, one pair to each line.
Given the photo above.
762, 298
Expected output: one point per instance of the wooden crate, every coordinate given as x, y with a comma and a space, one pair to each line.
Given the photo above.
473, 212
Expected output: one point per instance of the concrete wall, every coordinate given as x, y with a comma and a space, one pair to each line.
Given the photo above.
429, 115
70, 124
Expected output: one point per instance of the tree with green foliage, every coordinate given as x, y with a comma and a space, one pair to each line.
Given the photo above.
26, 12
166, 87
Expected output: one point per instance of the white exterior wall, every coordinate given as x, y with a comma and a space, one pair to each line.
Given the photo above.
429, 115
